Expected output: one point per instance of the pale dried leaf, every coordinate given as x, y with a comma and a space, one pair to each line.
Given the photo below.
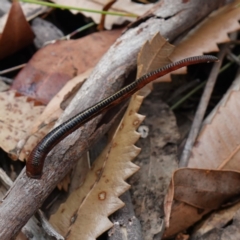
218, 144
123, 6
205, 37
153, 54
16, 118
63, 185
216, 148
217, 220
85, 213
3, 86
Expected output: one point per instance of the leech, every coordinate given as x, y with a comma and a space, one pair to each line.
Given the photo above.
35, 161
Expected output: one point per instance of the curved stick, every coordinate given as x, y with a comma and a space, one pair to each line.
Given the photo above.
36, 158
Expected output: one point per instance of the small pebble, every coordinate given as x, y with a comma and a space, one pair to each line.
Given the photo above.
44, 32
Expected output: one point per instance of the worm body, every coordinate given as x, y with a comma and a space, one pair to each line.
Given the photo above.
36, 158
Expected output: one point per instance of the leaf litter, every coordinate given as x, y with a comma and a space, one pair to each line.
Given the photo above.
217, 146
52, 66
46, 120
18, 113
206, 35
216, 149
98, 196
18, 136
124, 186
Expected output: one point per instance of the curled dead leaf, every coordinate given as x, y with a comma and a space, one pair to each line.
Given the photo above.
210, 32
17, 33
196, 192
91, 204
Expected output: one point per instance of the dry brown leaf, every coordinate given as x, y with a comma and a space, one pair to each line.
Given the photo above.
214, 189
205, 37
218, 143
194, 192
45, 122
52, 66
153, 54
17, 117
84, 214
30, 11
17, 33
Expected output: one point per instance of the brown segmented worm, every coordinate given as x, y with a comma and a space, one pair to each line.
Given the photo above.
35, 161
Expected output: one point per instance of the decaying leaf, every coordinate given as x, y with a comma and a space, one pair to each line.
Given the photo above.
153, 54
23, 125
52, 66
17, 33
85, 213
205, 37
195, 192
30, 11
17, 117
217, 145
214, 189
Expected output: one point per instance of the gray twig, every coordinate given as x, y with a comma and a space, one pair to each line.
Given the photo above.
197, 122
